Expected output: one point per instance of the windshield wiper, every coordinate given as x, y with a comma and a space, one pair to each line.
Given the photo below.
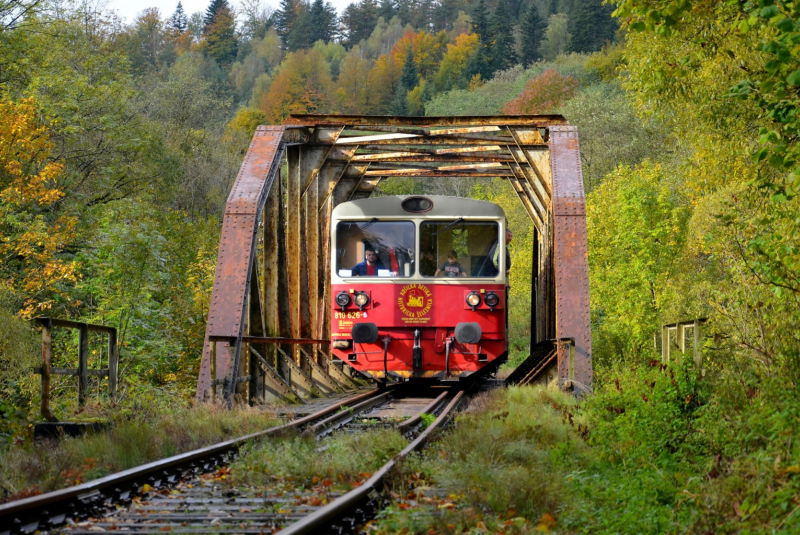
456, 222
369, 224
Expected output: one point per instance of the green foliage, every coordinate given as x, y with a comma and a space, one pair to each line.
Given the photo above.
593, 26
636, 221
427, 419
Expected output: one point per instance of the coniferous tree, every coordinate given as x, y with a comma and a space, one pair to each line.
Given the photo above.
301, 34
593, 26
211, 12
221, 43
322, 21
387, 9
359, 20
178, 22
480, 24
409, 78
285, 18
480, 62
502, 53
532, 28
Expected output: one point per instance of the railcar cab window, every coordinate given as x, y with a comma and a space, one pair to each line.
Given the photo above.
375, 248
458, 248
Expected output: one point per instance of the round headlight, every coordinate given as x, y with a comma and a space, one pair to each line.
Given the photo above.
342, 299
473, 299
361, 299
491, 299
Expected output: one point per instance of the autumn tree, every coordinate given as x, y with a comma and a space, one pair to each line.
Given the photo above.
543, 94
34, 234
221, 42
146, 41
302, 85
352, 89
454, 63
211, 12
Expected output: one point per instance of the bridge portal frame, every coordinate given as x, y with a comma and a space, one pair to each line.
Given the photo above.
270, 306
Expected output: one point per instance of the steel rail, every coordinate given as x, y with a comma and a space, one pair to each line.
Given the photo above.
428, 409
320, 519
29, 514
345, 416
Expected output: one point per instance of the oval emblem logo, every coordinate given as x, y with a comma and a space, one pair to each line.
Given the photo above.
415, 300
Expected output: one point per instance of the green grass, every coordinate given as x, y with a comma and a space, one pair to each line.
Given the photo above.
347, 458
28, 468
655, 450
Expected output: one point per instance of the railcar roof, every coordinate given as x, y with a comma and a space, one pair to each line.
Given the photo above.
443, 206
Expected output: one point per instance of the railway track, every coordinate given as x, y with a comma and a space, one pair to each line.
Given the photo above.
186, 493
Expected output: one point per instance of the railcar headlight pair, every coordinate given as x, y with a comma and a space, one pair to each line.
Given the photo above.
343, 300
474, 300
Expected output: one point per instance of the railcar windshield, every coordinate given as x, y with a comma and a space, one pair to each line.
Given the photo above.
375, 248
459, 248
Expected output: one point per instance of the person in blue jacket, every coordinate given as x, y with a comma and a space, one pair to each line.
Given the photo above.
370, 266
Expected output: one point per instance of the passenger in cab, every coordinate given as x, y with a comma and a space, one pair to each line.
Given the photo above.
370, 266
451, 268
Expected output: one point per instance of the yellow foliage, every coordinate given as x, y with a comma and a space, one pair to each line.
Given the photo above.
32, 236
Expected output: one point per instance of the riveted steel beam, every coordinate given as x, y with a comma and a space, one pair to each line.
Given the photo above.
465, 120
571, 268
227, 311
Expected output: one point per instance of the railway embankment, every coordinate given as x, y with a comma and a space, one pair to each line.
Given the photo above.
655, 450
139, 433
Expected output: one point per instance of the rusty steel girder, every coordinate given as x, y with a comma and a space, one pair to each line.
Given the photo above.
573, 326
270, 304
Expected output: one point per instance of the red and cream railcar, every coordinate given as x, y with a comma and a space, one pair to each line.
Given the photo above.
418, 286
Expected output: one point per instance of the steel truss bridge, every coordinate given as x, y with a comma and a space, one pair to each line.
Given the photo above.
269, 318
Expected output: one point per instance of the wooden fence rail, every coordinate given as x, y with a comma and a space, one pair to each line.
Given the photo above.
82, 371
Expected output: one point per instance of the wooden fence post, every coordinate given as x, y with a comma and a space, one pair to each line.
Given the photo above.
83, 363
113, 364
47, 357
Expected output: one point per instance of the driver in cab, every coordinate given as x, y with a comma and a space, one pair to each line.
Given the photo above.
370, 266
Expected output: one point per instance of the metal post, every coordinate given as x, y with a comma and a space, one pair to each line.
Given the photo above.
113, 364
47, 357
213, 371
83, 363
681, 334
665, 345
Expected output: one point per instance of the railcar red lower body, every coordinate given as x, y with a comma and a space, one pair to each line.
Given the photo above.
419, 329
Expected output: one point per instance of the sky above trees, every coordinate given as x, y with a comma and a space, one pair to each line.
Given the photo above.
130, 9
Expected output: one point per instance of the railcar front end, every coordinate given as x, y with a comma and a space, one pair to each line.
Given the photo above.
418, 286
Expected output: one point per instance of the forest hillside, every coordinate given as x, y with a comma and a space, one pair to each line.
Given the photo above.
119, 142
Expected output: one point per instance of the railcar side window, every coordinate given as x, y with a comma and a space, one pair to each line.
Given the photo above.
375, 248
458, 248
